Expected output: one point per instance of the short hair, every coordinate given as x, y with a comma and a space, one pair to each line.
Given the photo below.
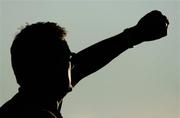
34, 48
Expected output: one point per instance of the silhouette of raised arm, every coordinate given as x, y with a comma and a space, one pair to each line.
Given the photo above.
151, 27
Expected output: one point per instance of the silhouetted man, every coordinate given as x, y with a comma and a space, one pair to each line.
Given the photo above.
47, 70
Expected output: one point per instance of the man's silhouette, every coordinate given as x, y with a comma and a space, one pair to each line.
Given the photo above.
47, 70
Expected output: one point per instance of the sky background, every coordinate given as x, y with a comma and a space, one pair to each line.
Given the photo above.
143, 82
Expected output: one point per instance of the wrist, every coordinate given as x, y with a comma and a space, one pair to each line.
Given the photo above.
132, 36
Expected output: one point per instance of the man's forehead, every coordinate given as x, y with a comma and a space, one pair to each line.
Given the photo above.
64, 49
67, 47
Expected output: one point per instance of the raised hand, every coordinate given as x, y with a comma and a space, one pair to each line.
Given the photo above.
152, 26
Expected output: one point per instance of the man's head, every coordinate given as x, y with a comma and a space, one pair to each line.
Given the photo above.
40, 58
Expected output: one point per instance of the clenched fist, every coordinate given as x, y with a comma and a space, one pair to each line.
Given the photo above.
150, 27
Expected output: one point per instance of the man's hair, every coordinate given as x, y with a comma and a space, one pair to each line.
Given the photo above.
34, 48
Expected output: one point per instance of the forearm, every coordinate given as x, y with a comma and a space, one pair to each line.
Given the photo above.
98, 55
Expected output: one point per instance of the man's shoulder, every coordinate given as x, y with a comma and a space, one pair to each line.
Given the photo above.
26, 114
18, 108
10, 108
9, 111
